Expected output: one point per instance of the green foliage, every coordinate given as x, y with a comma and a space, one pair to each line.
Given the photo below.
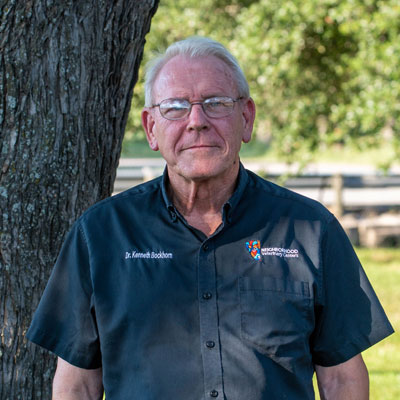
321, 72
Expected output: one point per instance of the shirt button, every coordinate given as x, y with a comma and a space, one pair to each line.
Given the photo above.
205, 247
214, 393
210, 344
207, 295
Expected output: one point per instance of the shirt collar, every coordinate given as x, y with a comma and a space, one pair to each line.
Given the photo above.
168, 203
228, 207
231, 204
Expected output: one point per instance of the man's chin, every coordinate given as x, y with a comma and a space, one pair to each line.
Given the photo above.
203, 171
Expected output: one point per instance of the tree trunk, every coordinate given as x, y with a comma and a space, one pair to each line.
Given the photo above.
67, 71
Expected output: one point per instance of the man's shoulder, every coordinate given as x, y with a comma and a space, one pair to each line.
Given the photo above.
139, 196
288, 199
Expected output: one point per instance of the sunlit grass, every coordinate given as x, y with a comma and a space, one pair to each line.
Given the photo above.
256, 150
137, 148
383, 360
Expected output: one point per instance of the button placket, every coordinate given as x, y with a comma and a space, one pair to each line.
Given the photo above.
208, 311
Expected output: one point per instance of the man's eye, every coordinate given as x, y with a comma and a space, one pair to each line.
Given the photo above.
171, 107
218, 103
215, 104
174, 108
175, 105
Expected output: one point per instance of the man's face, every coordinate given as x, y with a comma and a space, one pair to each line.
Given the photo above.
198, 147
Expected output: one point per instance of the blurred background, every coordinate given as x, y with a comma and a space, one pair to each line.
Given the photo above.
325, 76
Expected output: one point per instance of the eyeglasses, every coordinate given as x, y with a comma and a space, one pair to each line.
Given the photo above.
214, 107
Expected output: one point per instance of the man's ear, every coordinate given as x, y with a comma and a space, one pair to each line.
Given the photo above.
148, 125
248, 114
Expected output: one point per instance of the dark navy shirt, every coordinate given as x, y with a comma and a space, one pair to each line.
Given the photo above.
244, 314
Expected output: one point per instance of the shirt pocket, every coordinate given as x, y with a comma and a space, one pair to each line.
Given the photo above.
276, 315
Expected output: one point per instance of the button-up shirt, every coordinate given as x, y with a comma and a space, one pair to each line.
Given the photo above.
244, 314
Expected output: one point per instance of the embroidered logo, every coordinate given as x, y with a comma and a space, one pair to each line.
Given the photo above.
280, 252
254, 248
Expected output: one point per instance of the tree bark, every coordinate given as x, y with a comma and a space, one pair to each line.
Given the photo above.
67, 71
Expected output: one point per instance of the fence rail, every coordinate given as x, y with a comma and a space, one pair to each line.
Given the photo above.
346, 187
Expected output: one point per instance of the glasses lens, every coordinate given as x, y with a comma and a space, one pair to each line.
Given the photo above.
174, 108
218, 106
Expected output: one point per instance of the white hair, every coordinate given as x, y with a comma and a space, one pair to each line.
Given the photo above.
193, 47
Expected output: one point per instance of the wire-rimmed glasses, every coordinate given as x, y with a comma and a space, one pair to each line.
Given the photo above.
213, 107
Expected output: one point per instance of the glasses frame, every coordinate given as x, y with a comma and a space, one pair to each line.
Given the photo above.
199, 103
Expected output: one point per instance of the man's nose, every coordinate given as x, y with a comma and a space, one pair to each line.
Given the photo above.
197, 118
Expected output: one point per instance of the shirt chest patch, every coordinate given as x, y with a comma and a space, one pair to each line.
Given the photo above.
257, 252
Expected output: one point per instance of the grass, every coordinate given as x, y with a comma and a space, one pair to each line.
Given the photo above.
138, 148
383, 360
382, 156
378, 156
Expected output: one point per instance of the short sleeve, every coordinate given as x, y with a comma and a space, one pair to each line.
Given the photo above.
65, 322
350, 317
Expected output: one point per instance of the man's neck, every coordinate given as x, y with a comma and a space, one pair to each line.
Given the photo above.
201, 201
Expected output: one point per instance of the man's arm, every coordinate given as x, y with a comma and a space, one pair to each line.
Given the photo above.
73, 383
346, 381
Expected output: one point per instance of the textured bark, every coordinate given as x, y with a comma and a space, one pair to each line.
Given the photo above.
67, 70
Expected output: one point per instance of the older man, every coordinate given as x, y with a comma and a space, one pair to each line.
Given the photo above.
208, 282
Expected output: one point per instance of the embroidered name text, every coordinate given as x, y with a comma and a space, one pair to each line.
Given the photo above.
148, 254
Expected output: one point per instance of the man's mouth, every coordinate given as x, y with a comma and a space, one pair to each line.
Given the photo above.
199, 147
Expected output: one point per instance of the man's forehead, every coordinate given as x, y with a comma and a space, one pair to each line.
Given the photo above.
182, 60
182, 72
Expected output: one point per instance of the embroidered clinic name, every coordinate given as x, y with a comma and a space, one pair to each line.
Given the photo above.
280, 252
147, 254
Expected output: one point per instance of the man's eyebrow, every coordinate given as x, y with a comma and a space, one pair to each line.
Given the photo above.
202, 97
209, 96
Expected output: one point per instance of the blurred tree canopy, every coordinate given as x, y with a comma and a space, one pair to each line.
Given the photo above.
320, 71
